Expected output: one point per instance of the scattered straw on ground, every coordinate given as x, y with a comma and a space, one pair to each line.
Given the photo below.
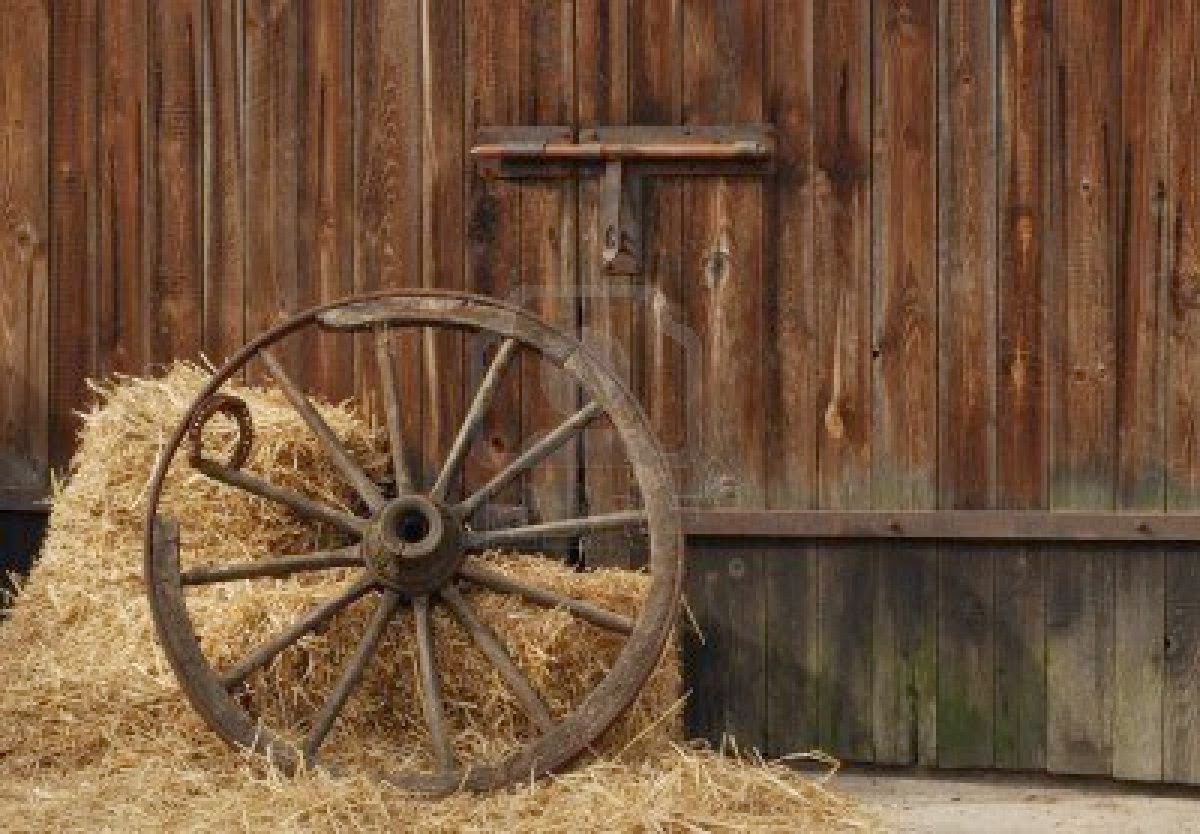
95, 735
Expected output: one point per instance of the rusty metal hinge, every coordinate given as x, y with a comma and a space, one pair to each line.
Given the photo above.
623, 155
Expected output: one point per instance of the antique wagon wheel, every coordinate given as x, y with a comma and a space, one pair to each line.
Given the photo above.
415, 549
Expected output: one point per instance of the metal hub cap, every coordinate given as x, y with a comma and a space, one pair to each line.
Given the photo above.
413, 545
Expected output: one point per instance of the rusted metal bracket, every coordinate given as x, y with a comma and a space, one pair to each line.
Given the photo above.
623, 155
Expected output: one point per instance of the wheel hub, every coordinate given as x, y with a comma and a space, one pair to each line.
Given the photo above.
413, 545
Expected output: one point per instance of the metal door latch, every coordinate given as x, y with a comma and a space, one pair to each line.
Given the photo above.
623, 155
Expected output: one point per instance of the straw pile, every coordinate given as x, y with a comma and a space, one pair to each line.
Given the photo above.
95, 735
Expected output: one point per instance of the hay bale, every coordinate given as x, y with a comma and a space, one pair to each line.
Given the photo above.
95, 735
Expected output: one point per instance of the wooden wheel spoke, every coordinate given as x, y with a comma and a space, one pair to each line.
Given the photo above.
298, 503
314, 619
391, 404
345, 557
495, 652
562, 528
338, 453
532, 456
351, 675
477, 572
474, 419
431, 688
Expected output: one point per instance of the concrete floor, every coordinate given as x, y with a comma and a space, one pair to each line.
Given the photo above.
1024, 803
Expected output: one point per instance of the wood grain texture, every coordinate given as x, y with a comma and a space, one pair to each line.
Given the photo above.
443, 220
722, 228
726, 587
24, 277
1181, 690
1079, 627
172, 303
224, 179
1138, 663
325, 200
1021, 411
1143, 259
492, 96
1022, 432
792, 288
611, 306
127, 188
1181, 682
73, 224
388, 216
655, 50
273, 153
967, 147
723, 254
547, 284
793, 661
791, 292
841, 257
905, 235
1183, 307
904, 369
1020, 652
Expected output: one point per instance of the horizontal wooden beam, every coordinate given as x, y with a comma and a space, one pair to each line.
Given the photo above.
950, 525
24, 501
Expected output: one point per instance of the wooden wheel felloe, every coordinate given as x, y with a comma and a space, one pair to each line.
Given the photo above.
413, 546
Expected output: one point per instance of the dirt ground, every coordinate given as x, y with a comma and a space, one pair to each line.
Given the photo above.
1023, 803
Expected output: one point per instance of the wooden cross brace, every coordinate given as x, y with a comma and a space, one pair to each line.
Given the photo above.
623, 155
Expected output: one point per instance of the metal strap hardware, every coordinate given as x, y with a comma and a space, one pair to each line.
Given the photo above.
623, 155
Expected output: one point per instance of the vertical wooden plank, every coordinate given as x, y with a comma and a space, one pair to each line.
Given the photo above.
273, 151
726, 668
793, 650
548, 279
326, 184
905, 271
1181, 688
1138, 661
1143, 249
172, 305
655, 49
24, 209
1021, 415
1020, 647
492, 97
791, 292
841, 255
388, 220
611, 305
723, 250
1079, 601
905, 385
73, 218
224, 179
124, 238
905, 674
967, 353
846, 584
442, 218
793, 609
1181, 701
723, 73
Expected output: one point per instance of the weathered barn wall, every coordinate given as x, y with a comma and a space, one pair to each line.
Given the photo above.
972, 282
